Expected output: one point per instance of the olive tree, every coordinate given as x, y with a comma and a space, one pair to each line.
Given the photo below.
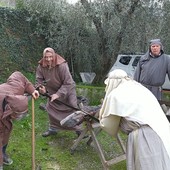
90, 34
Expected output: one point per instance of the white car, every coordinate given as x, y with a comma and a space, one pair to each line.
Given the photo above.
128, 63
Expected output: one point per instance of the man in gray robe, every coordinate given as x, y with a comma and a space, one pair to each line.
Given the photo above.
153, 67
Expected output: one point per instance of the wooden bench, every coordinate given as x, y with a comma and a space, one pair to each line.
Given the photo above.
94, 129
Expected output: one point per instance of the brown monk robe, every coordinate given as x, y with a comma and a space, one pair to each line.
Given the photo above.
13, 104
53, 70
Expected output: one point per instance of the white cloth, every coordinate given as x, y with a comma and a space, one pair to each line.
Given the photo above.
130, 99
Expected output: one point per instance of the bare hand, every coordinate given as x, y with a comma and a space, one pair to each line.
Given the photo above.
54, 96
35, 94
42, 89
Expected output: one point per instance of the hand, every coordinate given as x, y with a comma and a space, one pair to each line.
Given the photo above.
42, 89
35, 94
54, 96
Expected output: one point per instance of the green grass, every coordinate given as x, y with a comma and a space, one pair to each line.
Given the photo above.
53, 153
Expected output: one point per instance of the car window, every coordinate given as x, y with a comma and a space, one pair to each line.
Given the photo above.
136, 60
125, 60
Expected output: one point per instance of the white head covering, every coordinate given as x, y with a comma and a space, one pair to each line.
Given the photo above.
115, 78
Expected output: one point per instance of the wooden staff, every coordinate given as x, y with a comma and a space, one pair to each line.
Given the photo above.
33, 136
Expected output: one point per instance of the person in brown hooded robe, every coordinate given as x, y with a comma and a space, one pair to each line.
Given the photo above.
14, 104
54, 71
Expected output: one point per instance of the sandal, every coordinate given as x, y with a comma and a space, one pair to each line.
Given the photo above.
7, 160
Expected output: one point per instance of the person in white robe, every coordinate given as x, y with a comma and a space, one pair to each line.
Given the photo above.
132, 108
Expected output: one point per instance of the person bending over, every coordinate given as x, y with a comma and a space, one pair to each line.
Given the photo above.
132, 108
14, 104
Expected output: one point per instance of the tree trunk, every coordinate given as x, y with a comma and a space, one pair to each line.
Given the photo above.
107, 60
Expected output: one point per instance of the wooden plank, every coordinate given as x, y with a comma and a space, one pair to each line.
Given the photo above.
116, 160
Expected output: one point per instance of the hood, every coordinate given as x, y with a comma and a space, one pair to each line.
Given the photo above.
57, 59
